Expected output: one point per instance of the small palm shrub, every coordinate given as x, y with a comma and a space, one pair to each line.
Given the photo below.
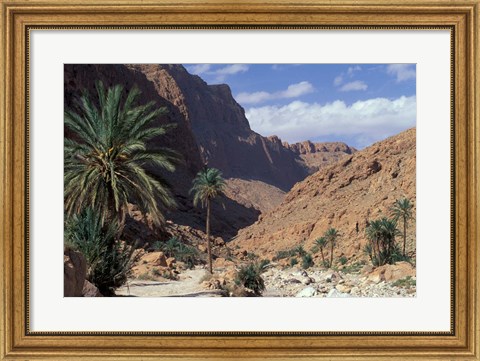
109, 263
307, 261
343, 260
293, 261
250, 276
174, 247
292, 252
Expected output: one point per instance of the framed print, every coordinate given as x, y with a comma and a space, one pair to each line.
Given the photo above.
239, 180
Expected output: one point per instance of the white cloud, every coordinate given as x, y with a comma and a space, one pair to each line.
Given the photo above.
218, 75
403, 72
350, 86
354, 85
338, 80
365, 121
199, 68
352, 69
231, 69
292, 91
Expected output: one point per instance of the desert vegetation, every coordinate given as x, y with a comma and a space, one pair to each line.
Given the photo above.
106, 162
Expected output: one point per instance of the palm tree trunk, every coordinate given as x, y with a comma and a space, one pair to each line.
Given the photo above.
404, 234
331, 253
323, 257
208, 239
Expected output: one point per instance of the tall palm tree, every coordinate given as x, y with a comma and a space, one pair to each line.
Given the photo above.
403, 209
107, 158
207, 185
321, 242
331, 235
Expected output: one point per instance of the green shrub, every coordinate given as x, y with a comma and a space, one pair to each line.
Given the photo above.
406, 282
250, 276
343, 260
109, 263
292, 252
174, 247
307, 261
293, 261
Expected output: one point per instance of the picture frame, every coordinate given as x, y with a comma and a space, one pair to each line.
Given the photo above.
462, 342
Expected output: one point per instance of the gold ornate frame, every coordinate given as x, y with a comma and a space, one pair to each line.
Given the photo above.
18, 342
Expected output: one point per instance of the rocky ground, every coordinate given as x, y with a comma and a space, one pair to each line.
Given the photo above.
387, 281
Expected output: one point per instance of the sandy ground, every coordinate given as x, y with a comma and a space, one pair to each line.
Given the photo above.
188, 285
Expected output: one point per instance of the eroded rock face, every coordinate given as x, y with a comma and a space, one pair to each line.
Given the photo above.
222, 131
345, 195
318, 155
74, 273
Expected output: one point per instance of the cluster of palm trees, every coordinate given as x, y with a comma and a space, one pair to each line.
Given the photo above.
381, 233
109, 158
329, 238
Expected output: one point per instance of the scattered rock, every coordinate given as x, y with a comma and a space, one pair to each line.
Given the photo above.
89, 290
307, 292
336, 294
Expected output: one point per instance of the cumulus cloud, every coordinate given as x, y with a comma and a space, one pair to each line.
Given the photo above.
354, 85
292, 91
402, 72
363, 121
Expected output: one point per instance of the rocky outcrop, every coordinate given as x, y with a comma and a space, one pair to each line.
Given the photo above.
221, 129
255, 194
345, 195
74, 273
318, 155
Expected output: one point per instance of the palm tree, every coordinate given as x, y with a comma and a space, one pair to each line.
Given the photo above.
402, 209
374, 235
321, 243
331, 235
106, 159
382, 233
207, 185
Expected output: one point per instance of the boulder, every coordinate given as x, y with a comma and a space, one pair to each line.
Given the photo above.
74, 273
154, 259
391, 272
89, 290
307, 292
334, 293
170, 262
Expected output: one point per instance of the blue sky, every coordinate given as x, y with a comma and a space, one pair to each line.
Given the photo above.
358, 104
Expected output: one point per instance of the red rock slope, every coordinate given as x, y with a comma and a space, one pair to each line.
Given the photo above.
357, 188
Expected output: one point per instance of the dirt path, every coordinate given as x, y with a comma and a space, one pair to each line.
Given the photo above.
188, 285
